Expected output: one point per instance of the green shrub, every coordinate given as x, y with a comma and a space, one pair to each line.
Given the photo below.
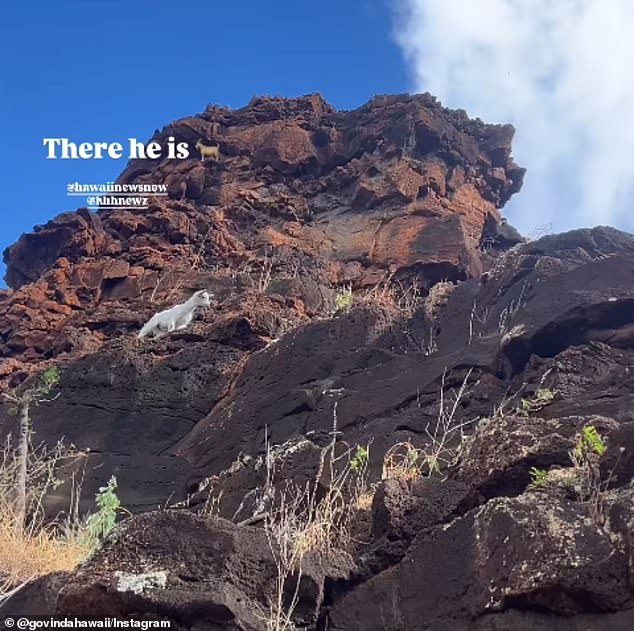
99, 524
360, 458
591, 440
538, 476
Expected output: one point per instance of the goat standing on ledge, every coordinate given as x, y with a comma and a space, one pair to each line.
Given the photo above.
208, 151
175, 318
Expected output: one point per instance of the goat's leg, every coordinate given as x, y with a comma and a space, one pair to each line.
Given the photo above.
184, 322
162, 331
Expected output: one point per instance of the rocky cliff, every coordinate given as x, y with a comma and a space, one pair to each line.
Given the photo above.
304, 201
361, 271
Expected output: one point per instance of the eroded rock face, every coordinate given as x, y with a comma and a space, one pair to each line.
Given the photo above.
513, 553
304, 200
77, 235
197, 572
306, 203
189, 563
497, 458
439, 555
534, 560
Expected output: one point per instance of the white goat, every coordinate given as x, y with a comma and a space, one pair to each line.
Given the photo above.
176, 318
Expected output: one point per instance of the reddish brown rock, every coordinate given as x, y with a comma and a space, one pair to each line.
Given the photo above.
68, 235
400, 182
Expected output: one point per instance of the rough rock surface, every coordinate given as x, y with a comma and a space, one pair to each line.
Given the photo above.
305, 200
195, 571
454, 319
505, 563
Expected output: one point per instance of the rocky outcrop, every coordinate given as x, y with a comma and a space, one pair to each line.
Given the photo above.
304, 200
195, 571
366, 285
439, 554
526, 558
517, 554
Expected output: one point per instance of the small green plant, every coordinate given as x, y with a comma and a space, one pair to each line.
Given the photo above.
344, 299
583, 478
50, 378
539, 477
590, 441
99, 524
432, 464
585, 457
541, 398
360, 458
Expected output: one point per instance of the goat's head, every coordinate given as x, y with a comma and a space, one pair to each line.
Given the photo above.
202, 298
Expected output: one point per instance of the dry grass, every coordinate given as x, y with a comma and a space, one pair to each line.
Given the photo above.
365, 499
403, 461
308, 520
392, 294
445, 438
299, 526
266, 272
437, 298
24, 556
311, 521
38, 548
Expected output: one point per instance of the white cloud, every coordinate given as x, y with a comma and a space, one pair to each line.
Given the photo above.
562, 71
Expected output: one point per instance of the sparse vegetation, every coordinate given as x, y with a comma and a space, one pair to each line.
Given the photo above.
31, 546
433, 303
21, 401
38, 548
266, 272
59, 545
585, 457
437, 298
211, 508
360, 459
403, 461
405, 298
541, 398
509, 312
583, 478
344, 299
538, 476
101, 523
589, 441
28, 555
305, 521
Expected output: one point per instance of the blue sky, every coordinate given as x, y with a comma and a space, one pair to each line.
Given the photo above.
107, 70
